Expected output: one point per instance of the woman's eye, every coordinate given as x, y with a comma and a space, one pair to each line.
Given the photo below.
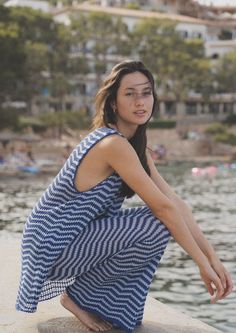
147, 93
143, 94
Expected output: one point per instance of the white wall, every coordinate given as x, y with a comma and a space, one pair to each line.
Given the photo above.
62, 18
193, 30
219, 48
44, 6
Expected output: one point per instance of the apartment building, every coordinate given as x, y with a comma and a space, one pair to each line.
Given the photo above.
181, 7
219, 37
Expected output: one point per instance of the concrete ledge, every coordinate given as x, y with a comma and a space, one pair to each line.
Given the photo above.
52, 318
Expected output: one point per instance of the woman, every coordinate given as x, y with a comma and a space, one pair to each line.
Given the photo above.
78, 242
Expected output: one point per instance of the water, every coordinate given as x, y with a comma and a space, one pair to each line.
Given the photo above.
177, 280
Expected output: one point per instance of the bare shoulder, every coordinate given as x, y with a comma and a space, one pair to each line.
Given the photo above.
116, 145
113, 140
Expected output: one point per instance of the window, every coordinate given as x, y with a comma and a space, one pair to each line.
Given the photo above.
196, 34
203, 108
170, 109
214, 108
215, 56
68, 106
225, 35
183, 34
82, 88
190, 108
228, 108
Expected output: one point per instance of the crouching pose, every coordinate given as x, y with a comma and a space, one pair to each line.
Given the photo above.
80, 243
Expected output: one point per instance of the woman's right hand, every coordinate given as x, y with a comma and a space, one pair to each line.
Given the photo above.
223, 274
212, 283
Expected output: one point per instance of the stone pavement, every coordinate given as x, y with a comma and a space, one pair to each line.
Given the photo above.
51, 317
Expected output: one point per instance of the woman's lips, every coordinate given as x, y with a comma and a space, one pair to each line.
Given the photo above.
140, 113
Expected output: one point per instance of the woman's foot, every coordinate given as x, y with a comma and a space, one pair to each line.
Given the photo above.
89, 320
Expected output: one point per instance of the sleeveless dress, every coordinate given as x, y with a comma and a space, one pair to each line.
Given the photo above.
84, 243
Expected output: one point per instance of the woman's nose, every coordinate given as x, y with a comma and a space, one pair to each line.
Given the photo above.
139, 99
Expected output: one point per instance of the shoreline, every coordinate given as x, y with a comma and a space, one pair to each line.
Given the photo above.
197, 161
50, 153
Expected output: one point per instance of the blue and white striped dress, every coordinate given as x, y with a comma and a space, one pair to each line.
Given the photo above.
85, 243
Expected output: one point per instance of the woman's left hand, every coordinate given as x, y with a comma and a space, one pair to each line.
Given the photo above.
224, 276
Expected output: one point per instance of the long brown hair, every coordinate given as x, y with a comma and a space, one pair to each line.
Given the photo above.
106, 116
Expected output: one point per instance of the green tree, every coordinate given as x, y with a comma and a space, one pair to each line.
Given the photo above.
122, 38
35, 65
12, 57
33, 50
61, 120
178, 64
59, 88
225, 73
93, 33
9, 118
95, 37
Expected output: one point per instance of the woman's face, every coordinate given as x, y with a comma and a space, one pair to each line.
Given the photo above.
134, 101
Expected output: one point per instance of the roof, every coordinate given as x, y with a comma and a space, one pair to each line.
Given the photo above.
142, 14
229, 9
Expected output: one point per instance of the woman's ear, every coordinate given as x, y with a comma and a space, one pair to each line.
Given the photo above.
113, 106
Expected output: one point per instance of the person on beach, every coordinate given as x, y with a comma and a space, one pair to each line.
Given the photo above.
79, 243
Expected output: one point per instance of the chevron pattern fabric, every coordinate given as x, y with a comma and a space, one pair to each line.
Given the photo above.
85, 243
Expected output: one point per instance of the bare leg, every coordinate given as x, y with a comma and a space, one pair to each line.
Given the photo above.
89, 320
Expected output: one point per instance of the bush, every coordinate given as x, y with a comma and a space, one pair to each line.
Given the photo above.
36, 124
9, 118
216, 128
227, 138
162, 123
78, 119
132, 5
230, 120
73, 119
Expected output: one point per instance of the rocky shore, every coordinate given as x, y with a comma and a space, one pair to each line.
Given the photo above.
50, 152
197, 149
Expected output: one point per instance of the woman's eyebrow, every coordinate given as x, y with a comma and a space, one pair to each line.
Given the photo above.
144, 88
139, 84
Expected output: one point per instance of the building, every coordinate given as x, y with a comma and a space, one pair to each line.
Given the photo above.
44, 6
219, 38
181, 7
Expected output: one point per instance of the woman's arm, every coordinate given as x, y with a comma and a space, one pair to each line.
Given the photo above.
183, 209
121, 156
190, 221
